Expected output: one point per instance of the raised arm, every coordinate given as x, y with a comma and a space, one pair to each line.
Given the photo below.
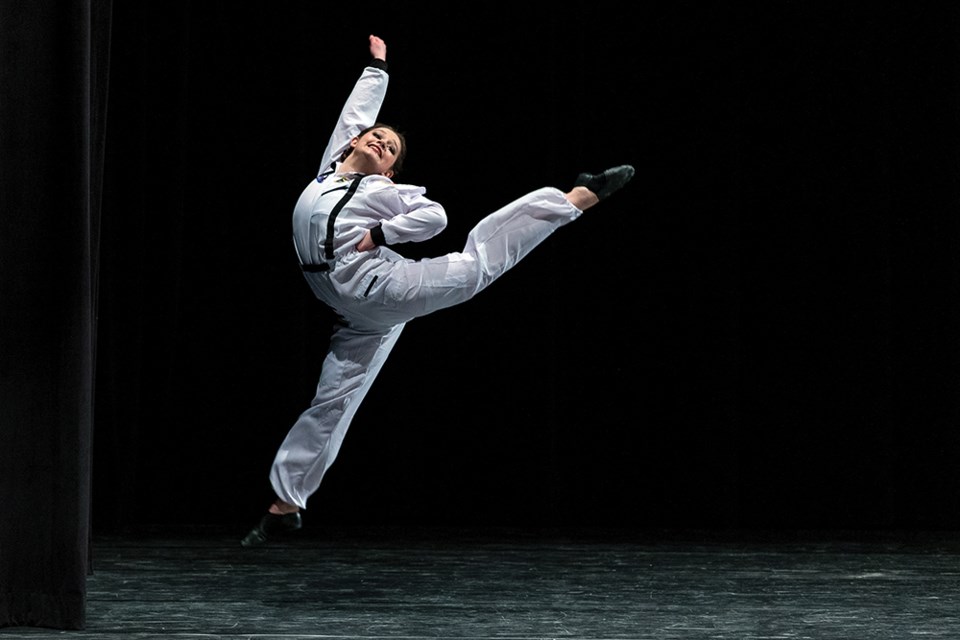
362, 106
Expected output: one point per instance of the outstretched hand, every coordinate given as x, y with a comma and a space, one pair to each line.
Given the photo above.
378, 48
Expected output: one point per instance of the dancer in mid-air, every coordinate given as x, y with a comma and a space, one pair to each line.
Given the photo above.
344, 226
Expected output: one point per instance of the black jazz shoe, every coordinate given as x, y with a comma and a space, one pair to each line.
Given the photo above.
270, 525
606, 183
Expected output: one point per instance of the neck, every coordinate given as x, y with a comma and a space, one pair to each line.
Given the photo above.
350, 167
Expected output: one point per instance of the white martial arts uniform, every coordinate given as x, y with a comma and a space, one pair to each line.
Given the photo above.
376, 292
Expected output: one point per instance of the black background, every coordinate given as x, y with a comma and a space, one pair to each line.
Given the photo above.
760, 331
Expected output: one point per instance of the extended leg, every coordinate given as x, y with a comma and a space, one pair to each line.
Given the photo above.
498, 242
494, 246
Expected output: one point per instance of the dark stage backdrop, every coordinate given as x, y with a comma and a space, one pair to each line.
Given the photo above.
53, 79
761, 331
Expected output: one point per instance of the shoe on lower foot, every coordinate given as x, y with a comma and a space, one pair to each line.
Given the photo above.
606, 183
270, 525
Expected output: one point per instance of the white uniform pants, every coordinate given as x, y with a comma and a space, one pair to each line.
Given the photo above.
376, 293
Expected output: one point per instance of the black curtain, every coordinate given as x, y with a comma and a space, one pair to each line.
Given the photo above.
52, 116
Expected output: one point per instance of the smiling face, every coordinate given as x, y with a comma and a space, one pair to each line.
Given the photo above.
375, 151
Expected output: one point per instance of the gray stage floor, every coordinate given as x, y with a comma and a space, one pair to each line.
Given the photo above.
415, 584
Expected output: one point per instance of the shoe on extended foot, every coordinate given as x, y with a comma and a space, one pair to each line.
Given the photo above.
604, 184
272, 524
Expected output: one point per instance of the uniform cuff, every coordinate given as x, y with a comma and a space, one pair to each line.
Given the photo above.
376, 234
378, 64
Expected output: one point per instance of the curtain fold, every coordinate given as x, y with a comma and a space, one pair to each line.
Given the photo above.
52, 128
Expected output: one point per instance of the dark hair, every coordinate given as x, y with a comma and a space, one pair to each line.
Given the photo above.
401, 152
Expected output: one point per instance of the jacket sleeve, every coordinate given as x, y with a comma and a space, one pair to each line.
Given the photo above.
420, 219
359, 112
